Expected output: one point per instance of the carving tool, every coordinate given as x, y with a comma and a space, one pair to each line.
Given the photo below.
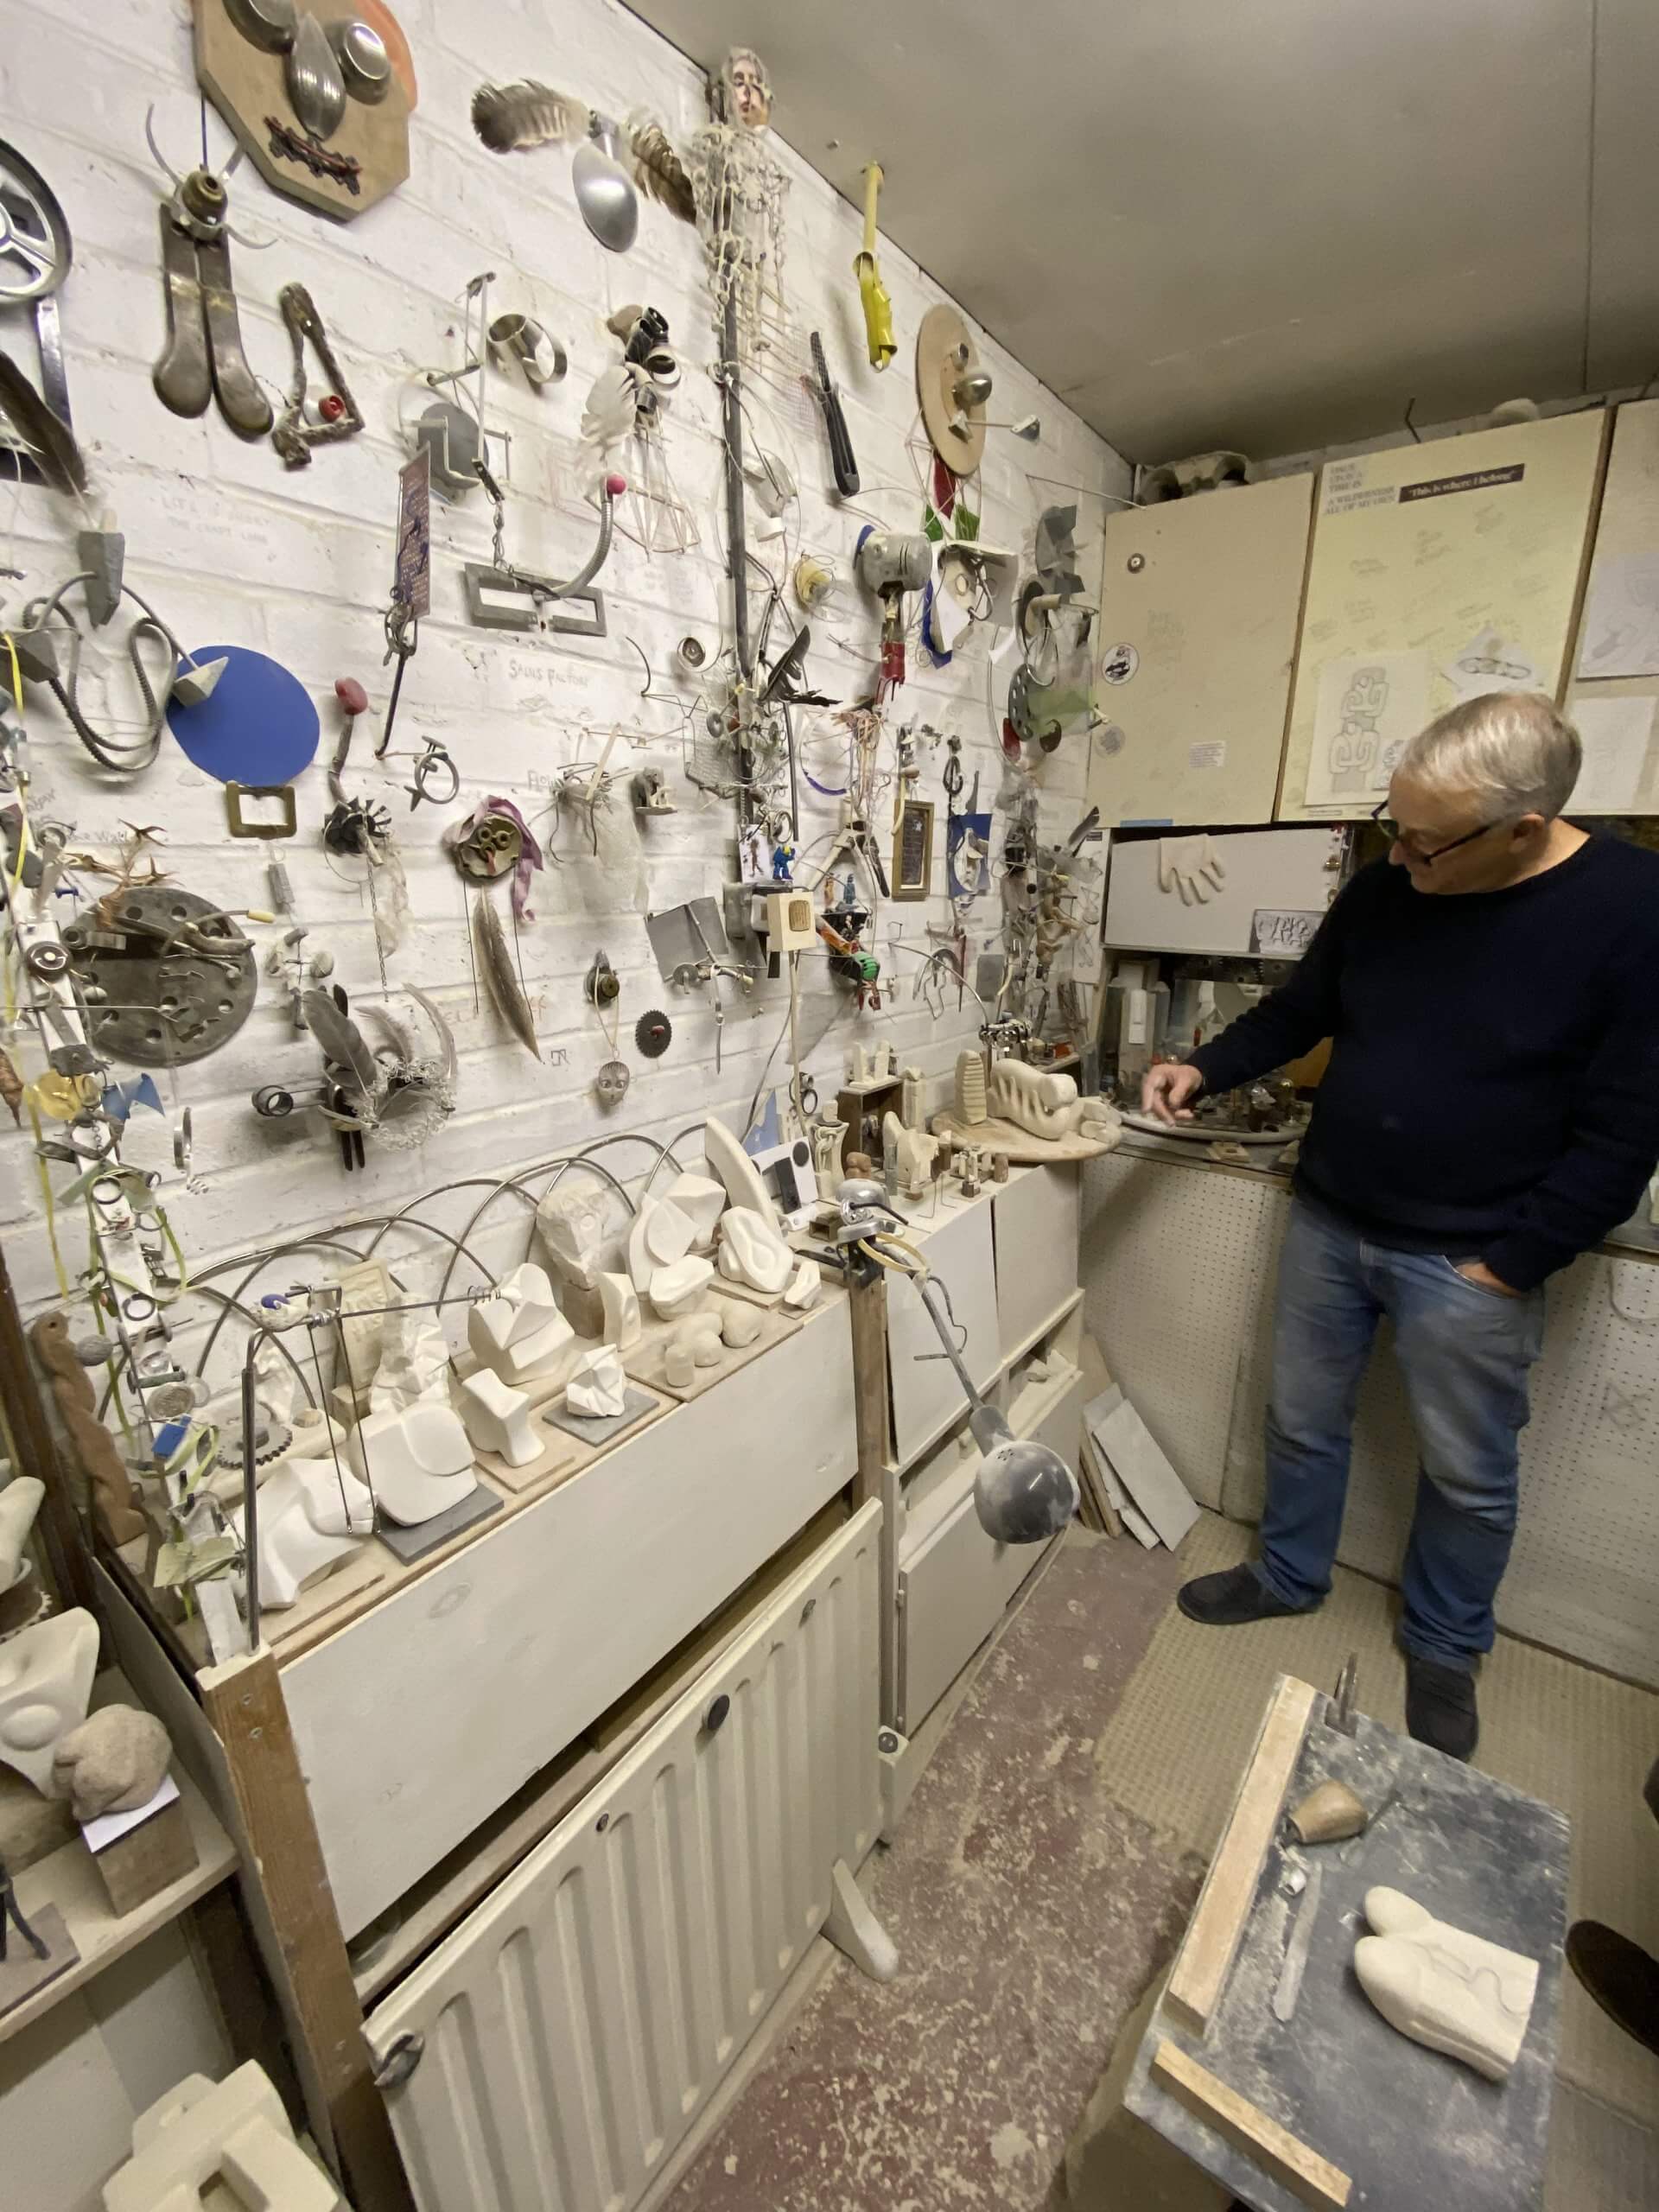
1301, 1937
834, 422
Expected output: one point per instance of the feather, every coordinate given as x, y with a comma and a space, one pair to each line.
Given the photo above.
446, 1035
612, 412
512, 119
341, 1041
397, 1039
505, 988
48, 439
658, 168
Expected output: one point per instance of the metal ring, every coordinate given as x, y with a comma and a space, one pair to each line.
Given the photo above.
434, 763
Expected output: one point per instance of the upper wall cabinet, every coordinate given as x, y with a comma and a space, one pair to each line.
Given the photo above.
1199, 604
1437, 572
1616, 688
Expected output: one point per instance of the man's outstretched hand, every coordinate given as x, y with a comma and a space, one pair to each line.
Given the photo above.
1166, 1089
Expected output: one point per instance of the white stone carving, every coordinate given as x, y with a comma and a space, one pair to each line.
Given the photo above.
598, 1385
521, 1332
1442, 1986
805, 1287
739, 1323
752, 1251
970, 1088
418, 1462
497, 1418
727, 1160
702, 1201
911, 1153
680, 1289
570, 1222
621, 1303
20, 1501
46, 1678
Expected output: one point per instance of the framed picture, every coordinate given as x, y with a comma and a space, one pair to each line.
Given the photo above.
912, 850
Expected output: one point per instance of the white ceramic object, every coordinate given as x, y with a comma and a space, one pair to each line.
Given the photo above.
805, 1287
521, 1332
46, 1678
700, 1337
679, 1366
731, 1164
570, 1222
414, 1361
911, 1152
1039, 1102
680, 1289
641, 1266
970, 1088
669, 1233
621, 1303
497, 1418
417, 1462
226, 2144
913, 1099
598, 1385
752, 1251
1454, 1991
307, 1528
702, 1201
20, 1501
739, 1325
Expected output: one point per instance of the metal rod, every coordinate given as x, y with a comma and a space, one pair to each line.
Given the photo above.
250, 1487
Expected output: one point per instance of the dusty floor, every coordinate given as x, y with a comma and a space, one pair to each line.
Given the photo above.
1029, 1911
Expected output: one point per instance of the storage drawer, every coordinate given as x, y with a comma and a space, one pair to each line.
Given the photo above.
560, 2043
1036, 1216
421, 1716
954, 1586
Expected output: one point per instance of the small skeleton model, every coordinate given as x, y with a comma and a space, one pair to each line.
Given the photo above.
738, 187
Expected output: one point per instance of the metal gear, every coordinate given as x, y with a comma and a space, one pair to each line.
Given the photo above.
652, 1033
271, 1441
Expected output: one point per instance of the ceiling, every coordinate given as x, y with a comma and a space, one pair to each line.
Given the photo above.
1268, 226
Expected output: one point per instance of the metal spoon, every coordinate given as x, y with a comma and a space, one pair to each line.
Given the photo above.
604, 190
316, 90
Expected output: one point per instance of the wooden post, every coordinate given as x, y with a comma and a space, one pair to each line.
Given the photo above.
243, 1701
868, 1303
59, 1526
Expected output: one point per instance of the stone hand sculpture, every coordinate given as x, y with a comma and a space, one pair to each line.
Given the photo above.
46, 1678
1443, 1987
911, 1150
313, 1516
106, 1473
752, 1251
621, 1304
418, 1462
113, 1763
497, 1418
570, 1222
20, 1501
598, 1387
521, 1332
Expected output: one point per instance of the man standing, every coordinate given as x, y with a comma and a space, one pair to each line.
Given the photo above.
1490, 1111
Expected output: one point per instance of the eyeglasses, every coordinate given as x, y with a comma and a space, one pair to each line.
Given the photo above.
1395, 836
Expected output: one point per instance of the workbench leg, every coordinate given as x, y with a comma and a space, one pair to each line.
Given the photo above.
244, 1703
868, 1304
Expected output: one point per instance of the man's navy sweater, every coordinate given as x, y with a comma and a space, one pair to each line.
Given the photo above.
1493, 1089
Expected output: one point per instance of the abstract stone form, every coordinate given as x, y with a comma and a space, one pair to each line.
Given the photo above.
418, 1462
113, 1763
497, 1418
598, 1386
752, 1251
680, 1289
621, 1302
970, 1088
1442, 1986
313, 1516
571, 1222
805, 1287
910, 1151
521, 1332
20, 1501
46, 1678
739, 1325
702, 1201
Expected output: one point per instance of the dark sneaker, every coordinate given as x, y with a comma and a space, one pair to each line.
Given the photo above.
1440, 1706
1230, 1598
1620, 1975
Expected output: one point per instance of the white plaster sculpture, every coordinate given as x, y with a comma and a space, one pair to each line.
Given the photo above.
276, 1388
970, 1088
752, 1251
46, 1678
113, 1763
859, 1070
20, 1501
418, 1462
739, 1325
909, 1152
669, 1233
598, 1386
700, 1337
682, 1288
570, 1222
621, 1302
913, 1099
521, 1332
497, 1418
1443, 1987
1046, 1104
727, 1160
882, 1063
828, 1139
313, 1516
702, 1201
679, 1364
805, 1287
226, 2144
414, 1361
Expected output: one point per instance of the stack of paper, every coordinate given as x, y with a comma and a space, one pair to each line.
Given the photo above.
1138, 1481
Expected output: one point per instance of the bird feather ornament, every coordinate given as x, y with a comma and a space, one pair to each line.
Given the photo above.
657, 169
505, 988
515, 118
612, 412
446, 1035
343, 1043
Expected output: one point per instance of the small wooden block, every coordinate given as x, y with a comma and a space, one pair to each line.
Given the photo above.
1205, 1957
31, 1826
147, 1858
20, 1973
1249, 2129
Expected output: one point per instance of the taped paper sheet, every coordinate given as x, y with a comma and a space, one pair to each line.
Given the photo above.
1621, 618
1491, 661
1617, 737
1370, 707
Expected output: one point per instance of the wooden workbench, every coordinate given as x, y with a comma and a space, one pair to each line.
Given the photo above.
1407, 2126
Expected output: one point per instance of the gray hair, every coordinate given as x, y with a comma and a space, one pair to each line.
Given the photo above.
1511, 749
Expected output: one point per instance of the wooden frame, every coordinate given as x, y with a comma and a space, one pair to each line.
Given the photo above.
913, 849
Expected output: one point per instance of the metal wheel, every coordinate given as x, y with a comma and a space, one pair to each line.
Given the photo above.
34, 243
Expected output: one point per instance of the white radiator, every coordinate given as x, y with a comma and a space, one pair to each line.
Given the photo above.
557, 2047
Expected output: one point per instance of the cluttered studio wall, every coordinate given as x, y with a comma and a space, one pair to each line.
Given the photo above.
470, 884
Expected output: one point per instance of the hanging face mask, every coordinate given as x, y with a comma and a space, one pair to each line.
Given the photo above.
611, 1084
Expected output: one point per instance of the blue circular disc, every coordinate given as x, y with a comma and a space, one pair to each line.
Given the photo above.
258, 725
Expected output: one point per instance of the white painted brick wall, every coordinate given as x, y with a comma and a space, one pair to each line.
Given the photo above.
232, 548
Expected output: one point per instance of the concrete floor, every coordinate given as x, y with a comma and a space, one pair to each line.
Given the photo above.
1029, 1911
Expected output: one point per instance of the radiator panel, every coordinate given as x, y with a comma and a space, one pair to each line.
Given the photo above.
575, 2023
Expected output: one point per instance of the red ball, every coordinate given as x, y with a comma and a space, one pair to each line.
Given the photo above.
332, 408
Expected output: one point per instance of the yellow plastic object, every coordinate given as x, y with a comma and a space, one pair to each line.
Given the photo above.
878, 308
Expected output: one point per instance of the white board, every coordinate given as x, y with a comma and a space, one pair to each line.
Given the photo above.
1278, 871
926, 1396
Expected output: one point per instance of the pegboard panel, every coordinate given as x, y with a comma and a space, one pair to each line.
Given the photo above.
1178, 1270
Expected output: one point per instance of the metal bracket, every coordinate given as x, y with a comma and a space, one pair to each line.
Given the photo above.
512, 598
280, 795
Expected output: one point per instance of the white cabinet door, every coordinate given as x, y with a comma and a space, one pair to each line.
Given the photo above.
926, 1395
557, 2046
1036, 1216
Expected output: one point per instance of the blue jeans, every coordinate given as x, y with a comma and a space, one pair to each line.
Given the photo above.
1463, 1353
